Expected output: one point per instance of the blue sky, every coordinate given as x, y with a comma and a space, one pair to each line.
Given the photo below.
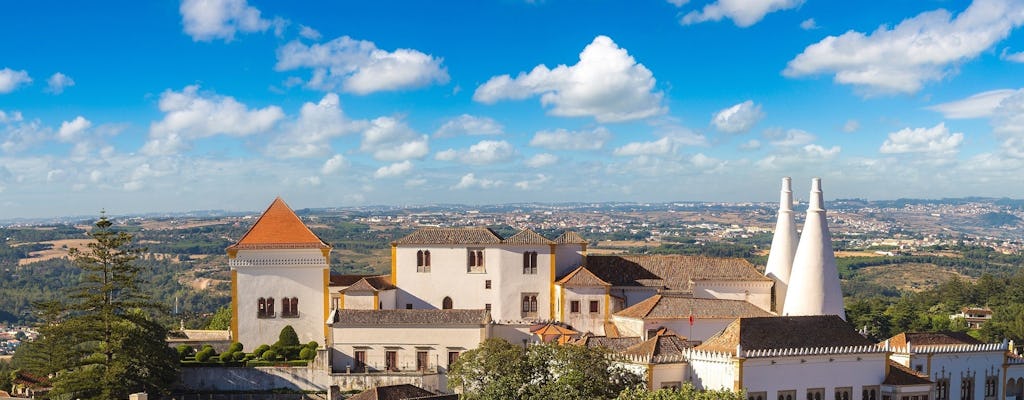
223, 104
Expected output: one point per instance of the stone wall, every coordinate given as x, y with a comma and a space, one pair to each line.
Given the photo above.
231, 379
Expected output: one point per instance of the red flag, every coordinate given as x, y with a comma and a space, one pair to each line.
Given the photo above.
691, 319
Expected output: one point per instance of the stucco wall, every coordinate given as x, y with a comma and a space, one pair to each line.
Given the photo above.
296, 378
754, 292
771, 375
584, 320
279, 274
406, 341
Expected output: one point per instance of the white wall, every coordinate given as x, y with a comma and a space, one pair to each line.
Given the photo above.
437, 340
279, 274
584, 320
633, 295
360, 301
756, 293
662, 373
821, 371
567, 258
957, 365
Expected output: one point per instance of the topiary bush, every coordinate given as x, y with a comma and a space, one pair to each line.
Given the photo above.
307, 353
235, 347
288, 337
313, 344
269, 355
184, 351
205, 354
237, 356
258, 353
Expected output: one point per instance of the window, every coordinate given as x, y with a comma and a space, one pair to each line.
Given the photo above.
452, 357
421, 361
475, 263
870, 393
487, 306
815, 394
675, 385
942, 389
594, 306
756, 396
787, 394
270, 307
391, 360
530, 263
529, 304
843, 393
261, 308
423, 261
360, 361
991, 386
574, 306
967, 388
290, 307
408, 306
446, 304
487, 284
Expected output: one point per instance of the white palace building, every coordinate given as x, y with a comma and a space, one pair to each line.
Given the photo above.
715, 322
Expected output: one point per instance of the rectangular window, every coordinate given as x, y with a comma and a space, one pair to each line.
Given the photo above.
594, 306
408, 306
757, 396
788, 395
421, 361
869, 393
967, 389
360, 361
391, 360
942, 389
530, 263
815, 394
452, 357
671, 385
529, 308
487, 306
843, 393
574, 306
487, 284
475, 261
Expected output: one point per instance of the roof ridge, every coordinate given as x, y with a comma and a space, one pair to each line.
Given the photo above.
279, 227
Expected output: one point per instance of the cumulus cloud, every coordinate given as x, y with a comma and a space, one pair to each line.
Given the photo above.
1013, 57
750, 145
976, 106
334, 164
743, 13
58, 82
541, 160
189, 114
658, 147
72, 130
309, 135
1008, 124
22, 135
921, 49
561, 139
789, 138
851, 126
809, 24
11, 79
738, 118
206, 20
798, 157
606, 83
470, 181
935, 141
8, 117
309, 33
466, 124
532, 184
359, 67
393, 170
483, 153
390, 139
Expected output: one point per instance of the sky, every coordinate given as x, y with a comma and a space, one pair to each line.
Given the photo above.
163, 106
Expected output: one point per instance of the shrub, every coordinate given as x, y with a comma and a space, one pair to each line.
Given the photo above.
313, 345
269, 355
288, 337
184, 351
205, 354
307, 353
234, 347
259, 351
238, 356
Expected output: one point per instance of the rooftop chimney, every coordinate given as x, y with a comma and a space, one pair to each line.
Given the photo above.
780, 258
814, 280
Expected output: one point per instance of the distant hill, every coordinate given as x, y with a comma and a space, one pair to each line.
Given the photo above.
997, 219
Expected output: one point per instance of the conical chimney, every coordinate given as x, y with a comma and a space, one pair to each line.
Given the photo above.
780, 258
814, 281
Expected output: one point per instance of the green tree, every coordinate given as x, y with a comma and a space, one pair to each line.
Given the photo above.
499, 370
49, 353
288, 337
118, 348
687, 392
221, 320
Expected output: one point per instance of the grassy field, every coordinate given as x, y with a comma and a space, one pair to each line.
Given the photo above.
909, 277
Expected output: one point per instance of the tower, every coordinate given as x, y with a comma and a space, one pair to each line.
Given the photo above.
814, 281
780, 259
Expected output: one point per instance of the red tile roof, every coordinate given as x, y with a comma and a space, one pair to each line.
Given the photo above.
279, 228
679, 307
582, 277
766, 333
931, 338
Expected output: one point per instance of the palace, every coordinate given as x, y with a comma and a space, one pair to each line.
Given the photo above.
715, 322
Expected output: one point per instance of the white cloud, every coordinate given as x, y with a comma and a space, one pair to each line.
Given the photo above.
976, 106
23, 135
851, 126
470, 181
334, 164
658, 147
789, 138
1008, 117
72, 130
738, 118
678, 3
483, 153
924, 48
752, 144
809, 24
390, 139
358, 66
743, 13
189, 114
815, 151
7, 117
798, 157
935, 141
447, 155
532, 184
1014, 57
11, 79
561, 139
310, 134
58, 82
541, 160
393, 170
309, 33
309, 181
206, 20
606, 83
466, 124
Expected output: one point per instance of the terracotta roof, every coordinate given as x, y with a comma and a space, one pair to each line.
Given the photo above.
581, 277
611, 330
434, 235
766, 333
399, 392
412, 317
930, 338
670, 272
554, 332
526, 236
278, 227
348, 280
371, 284
676, 307
570, 237
660, 345
900, 375
616, 344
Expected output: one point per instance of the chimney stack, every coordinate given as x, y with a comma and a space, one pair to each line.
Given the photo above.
780, 257
814, 280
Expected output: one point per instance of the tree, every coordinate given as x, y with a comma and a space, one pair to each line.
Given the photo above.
117, 347
287, 337
499, 370
687, 392
221, 320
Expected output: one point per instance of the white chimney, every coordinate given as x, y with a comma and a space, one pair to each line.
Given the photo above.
814, 281
780, 258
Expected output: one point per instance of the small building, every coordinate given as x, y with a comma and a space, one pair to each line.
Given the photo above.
974, 316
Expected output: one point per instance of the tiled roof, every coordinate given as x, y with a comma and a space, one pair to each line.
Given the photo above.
766, 333
371, 284
660, 345
348, 280
278, 227
434, 235
929, 338
581, 277
616, 344
677, 307
527, 236
399, 392
412, 317
670, 272
570, 237
900, 375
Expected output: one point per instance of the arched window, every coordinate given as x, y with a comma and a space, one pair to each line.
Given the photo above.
529, 304
530, 262
295, 306
261, 308
426, 258
446, 304
472, 258
270, 307
423, 261
475, 262
419, 258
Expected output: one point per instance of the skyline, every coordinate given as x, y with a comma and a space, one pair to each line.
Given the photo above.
201, 105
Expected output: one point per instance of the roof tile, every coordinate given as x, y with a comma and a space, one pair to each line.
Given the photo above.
279, 228
669, 272
435, 235
570, 237
411, 317
581, 277
679, 307
527, 236
766, 333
